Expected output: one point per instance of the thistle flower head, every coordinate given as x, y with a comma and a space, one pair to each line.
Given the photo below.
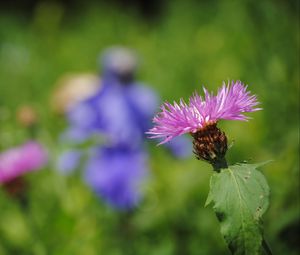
231, 102
17, 161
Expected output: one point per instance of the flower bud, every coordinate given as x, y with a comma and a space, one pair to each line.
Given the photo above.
210, 144
27, 116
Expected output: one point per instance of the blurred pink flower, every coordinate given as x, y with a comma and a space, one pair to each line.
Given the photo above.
16, 161
230, 103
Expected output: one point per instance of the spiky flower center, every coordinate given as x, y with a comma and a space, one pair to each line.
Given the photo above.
210, 144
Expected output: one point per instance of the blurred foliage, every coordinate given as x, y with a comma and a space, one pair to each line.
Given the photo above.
192, 43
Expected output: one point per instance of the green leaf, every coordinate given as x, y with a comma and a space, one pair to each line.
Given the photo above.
240, 196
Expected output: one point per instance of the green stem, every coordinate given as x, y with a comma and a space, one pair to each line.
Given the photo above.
219, 164
266, 247
126, 232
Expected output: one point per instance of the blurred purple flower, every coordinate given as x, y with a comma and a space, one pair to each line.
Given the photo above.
180, 147
116, 175
230, 103
17, 161
121, 113
69, 161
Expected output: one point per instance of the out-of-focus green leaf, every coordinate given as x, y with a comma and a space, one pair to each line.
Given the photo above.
240, 195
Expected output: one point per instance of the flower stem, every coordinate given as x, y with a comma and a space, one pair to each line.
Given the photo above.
219, 164
126, 232
266, 247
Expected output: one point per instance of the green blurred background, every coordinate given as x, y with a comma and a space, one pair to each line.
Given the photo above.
184, 45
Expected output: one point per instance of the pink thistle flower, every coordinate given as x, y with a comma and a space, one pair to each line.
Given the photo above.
17, 161
230, 103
